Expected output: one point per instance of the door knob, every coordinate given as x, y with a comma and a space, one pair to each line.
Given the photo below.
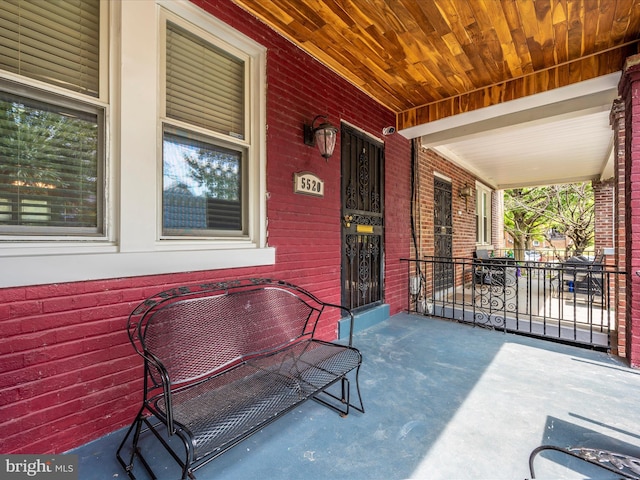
347, 220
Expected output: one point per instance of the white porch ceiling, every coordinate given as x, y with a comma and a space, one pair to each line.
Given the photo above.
561, 136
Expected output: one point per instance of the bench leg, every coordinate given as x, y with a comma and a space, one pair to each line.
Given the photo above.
136, 429
344, 398
186, 464
361, 408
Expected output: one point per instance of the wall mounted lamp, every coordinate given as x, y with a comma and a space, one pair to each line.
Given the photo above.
323, 136
466, 192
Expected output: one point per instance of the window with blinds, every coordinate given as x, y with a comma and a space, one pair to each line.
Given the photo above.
51, 144
203, 176
54, 42
50, 180
202, 186
204, 85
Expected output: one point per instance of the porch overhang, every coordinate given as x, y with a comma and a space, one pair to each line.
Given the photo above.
559, 136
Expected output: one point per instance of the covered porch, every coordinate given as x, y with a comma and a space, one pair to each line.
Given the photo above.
443, 400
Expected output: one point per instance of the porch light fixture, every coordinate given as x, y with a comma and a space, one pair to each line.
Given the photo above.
466, 192
324, 136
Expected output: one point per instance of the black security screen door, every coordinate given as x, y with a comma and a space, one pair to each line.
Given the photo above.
442, 234
362, 219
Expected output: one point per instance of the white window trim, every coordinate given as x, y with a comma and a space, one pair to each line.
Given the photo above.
442, 176
194, 26
134, 147
480, 188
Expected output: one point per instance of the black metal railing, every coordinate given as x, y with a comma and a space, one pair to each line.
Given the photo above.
572, 303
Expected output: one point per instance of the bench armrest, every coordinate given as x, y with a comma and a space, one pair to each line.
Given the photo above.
351, 318
154, 363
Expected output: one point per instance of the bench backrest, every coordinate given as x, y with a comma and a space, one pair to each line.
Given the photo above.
482, 254
197, 331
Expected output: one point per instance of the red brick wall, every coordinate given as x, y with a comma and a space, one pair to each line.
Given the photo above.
603, 193
605, 217
68, 374
630, 94
397, 213
616, 119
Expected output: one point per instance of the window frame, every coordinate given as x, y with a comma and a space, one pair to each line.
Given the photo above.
46, 233
167, 233
131, 97
53, 94
244, 145
483, 214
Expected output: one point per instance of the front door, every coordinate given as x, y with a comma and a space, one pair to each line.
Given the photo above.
442, 234
362, 219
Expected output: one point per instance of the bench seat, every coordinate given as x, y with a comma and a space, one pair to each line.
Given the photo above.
218, 411
222, 409
313, 363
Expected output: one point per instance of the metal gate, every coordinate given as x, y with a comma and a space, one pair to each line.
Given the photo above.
442, 234
362, 219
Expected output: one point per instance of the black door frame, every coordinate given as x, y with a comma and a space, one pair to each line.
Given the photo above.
442, 232
362, 211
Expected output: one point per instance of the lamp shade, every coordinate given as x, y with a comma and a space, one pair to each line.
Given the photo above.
325, 137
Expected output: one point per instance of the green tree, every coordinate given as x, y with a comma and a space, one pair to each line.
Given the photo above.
525, 217
574, 214
28, 158
568, 209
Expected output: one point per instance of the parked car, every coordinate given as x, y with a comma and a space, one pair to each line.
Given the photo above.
531, 256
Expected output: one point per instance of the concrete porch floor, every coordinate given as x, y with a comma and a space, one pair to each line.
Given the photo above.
443, 401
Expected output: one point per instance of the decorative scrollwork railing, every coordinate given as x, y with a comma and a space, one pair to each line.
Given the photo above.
574, 304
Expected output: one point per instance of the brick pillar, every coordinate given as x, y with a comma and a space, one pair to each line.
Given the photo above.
604, 210
616, 120
603, 193
629, 89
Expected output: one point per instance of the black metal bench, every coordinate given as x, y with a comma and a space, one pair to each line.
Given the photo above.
223, 360
579, 275
493, 271
624, 466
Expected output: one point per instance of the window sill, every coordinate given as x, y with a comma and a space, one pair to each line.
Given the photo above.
33, 269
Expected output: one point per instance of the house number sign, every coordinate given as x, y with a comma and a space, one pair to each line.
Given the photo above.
308, 184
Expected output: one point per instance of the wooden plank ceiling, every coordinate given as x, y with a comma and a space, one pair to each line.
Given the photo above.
430, 59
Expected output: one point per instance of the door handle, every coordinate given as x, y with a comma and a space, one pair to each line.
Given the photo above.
347, 220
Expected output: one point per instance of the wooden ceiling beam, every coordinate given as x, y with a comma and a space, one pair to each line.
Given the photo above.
567, 73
